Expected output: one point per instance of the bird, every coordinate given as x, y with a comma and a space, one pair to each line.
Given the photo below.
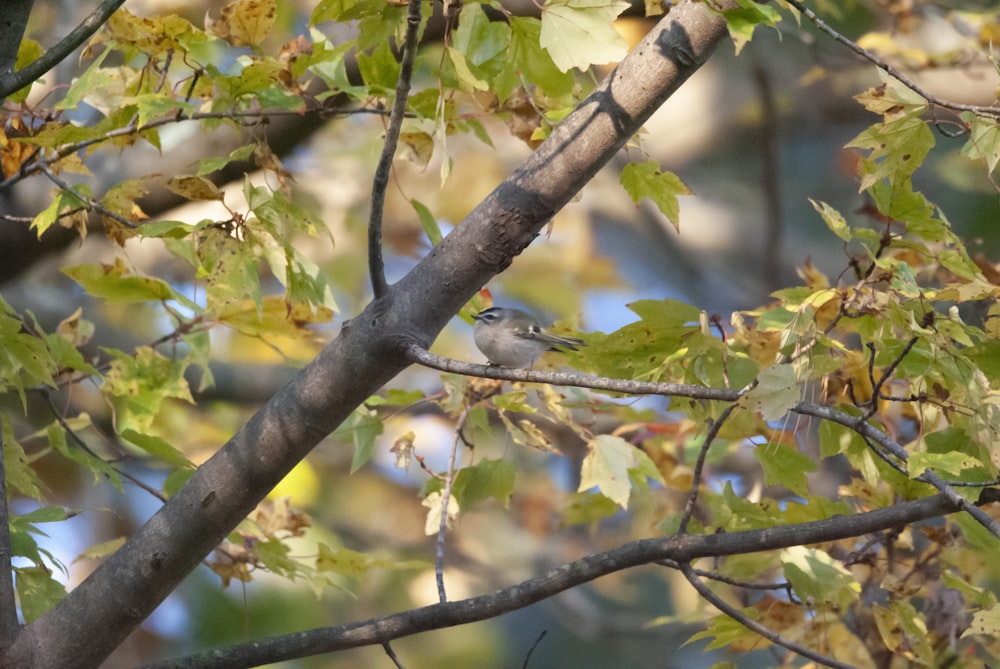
513, 338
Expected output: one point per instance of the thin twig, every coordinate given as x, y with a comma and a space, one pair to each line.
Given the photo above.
449, 482
54, 55
857, 423
699, 466
392, 655
137, 482
89, 203
376, 263
755, 626
30, 169
527, 658
990, 112
716, 576
866, 430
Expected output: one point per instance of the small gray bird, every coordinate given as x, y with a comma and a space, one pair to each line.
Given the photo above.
512, 338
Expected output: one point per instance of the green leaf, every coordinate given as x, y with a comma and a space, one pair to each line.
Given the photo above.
479, 38
158, 447
985, 622
723, 631
342, 561
114, 283
101, 550
428, 222
140, 383
606, 467
528, 58
275, 555
645, 469
646, 180
360, 428
900, 202
27, 52
379, 68
485, 479
579, 33
25, 360
833, 219
37, 591
776, 392
744, 19
785, 466
984, 139
942, 463
396, 397
64, 201
640, 349
818, 578
21, 477
588, 507
229, 266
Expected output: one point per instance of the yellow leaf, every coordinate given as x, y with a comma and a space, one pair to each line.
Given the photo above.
243, 22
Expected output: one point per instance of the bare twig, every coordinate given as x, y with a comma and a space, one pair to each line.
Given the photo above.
699, 466
715, 576
527, 658
376, 263
856, 423
423, 357
755, 626
449, 482
392, 655
32, 168
87, 202
989, 112
137, 482
14, 81
680, 549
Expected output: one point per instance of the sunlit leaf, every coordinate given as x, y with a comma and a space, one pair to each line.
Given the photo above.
647, 180
606, 467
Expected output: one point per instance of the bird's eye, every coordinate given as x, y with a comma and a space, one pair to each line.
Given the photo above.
534, 329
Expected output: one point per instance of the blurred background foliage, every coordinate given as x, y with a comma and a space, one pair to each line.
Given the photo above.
753, 136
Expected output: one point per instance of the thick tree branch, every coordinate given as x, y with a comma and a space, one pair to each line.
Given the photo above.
367, 353
15, 20
8, 609
14, 81
680, 549
376, 262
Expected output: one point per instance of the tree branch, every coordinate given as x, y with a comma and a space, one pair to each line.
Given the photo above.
15, 81
678, 548
856, 423
8, 609
753, 625
866, 430
376, 263
15, 19
367, 354
989, 112
423, 357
